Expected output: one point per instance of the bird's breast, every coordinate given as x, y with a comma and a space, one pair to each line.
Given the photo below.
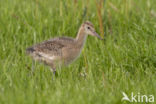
70, 54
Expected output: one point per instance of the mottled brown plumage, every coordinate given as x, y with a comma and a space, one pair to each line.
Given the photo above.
62, 50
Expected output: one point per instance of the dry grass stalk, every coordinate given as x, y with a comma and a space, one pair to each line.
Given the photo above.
113, 7
109, 21
99, 8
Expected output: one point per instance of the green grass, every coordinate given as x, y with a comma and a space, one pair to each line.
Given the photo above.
124, 61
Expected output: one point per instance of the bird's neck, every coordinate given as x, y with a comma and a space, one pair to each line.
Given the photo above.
81, 37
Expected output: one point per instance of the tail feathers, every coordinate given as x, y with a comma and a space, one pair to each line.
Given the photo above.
30, 50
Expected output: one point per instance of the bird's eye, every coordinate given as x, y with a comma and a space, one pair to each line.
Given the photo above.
88, 27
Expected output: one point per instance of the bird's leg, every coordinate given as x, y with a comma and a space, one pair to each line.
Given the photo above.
53, 70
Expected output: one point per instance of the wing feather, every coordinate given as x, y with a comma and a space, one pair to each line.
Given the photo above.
53, 47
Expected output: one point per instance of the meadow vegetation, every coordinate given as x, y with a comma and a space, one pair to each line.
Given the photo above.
124, 61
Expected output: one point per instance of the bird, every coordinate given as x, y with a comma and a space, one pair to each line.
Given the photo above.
61, 51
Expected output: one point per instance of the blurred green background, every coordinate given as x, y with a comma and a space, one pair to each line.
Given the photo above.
124, 61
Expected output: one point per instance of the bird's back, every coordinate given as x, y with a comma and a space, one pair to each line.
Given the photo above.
50, 50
